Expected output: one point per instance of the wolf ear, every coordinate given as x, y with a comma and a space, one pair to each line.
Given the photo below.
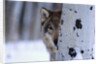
44, 13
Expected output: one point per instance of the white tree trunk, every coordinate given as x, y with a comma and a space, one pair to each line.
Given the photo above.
77, 32
13, 14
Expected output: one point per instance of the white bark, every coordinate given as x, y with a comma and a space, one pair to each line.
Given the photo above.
80, 37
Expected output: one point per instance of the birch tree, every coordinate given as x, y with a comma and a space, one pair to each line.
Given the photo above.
77, 32
12, 18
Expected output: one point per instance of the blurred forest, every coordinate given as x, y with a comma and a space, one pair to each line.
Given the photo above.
22, 19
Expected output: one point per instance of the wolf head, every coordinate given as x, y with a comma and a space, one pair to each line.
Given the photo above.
50, 21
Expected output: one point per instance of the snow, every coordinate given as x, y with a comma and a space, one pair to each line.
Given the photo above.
26, 51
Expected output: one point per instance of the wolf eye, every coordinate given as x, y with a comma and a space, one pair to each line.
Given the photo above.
50, 28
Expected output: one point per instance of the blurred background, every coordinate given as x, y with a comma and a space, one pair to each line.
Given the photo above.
23, 41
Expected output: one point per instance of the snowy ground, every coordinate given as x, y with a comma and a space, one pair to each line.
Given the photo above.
26, 51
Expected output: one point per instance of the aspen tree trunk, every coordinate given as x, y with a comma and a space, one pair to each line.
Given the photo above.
27, 16
12, 18
77, 32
